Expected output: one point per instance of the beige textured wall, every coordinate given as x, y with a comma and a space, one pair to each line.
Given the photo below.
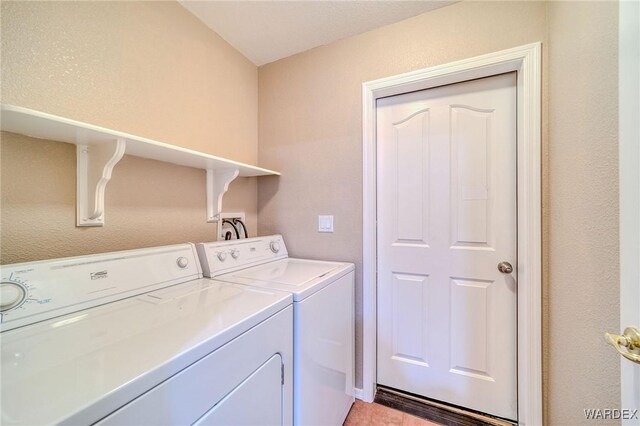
310, 122
145, 68
583, 254
310, 130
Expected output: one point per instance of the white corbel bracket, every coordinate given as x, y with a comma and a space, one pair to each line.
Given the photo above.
217, 184
95, 162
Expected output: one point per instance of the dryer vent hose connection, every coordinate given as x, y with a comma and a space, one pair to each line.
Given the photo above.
233, 222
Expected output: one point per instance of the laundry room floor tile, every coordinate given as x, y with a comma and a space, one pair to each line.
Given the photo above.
365, 414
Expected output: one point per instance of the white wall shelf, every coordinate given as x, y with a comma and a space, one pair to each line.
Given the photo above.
98, 150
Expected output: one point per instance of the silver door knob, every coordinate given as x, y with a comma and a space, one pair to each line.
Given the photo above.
505, 267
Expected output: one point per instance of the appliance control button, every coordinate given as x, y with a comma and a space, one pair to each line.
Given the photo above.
274, 246
182, 262
235, 253
11, 295
222, 256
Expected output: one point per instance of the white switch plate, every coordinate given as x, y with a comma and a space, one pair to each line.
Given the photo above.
325, 223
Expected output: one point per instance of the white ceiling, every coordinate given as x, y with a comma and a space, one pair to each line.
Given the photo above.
265, 31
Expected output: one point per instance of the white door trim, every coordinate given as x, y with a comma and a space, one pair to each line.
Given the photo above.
526, 61
629, 146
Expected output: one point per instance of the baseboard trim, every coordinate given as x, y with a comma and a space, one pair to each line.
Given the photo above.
357, 393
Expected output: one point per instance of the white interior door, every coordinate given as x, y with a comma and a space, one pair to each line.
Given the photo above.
446, 164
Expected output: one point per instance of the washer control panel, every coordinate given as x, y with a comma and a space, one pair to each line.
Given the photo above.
221, 257
36, 291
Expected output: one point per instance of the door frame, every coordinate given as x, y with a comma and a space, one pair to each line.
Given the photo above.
629, 158
526, 62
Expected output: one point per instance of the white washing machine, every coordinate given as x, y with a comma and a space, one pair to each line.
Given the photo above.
139, 337
323, 311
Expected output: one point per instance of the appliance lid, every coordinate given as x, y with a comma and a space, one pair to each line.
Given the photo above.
298, 276
82, 366
292, 272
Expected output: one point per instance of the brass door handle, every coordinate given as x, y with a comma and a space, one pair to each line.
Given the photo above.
630, 340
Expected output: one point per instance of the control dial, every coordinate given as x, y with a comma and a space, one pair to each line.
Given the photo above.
222, 256
11, 295
182, 262
235, 253
274, 246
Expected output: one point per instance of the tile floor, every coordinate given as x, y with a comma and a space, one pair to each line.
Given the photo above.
364, 414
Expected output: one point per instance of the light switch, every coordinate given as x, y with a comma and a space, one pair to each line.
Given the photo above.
325, 223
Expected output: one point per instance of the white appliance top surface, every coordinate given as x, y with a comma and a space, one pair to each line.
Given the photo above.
288, 272
81, 366
300, 277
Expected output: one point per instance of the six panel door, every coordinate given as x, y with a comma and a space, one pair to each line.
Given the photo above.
446, 182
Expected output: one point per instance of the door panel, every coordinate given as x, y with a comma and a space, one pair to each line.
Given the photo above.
412, 181
256, 401
446, 218
470, 145
410, 296
470, 300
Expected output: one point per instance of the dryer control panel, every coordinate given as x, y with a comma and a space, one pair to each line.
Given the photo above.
221, 257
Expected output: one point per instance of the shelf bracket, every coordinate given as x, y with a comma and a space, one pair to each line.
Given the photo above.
95, 162
217, 184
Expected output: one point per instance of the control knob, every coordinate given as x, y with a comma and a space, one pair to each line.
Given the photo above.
11, 295
182, 262
222, 256
274, 246
235, 253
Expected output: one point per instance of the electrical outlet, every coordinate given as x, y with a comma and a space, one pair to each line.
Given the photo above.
224, 228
